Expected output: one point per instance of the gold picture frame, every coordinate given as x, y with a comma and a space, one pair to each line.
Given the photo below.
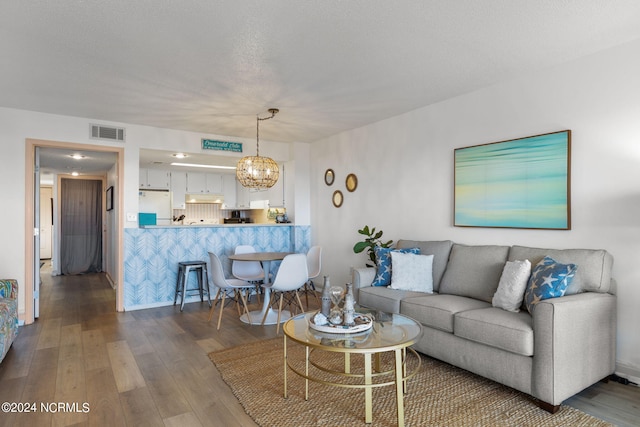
337, 198
329, 177
351, 182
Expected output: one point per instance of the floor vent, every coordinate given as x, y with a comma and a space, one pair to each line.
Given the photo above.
108, 133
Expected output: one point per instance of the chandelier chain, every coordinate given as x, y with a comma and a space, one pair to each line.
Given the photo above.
273, 112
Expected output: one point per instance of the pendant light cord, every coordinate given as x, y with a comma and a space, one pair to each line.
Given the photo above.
273, 112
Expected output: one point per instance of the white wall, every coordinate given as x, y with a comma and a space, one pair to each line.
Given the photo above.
18, 125
405, 171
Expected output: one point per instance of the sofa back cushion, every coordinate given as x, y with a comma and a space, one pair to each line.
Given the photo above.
594, 265
474, 271
440, 251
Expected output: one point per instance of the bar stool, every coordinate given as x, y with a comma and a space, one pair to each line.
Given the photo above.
184, 268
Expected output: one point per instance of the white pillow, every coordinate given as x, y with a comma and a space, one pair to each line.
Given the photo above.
411, 272
513, 284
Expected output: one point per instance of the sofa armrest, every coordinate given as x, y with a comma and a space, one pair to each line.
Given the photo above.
362, 277
8, 288
574, 344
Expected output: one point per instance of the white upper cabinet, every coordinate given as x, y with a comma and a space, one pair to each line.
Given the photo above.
198, 182
229, 191
179, 189
242, 196
155, 179
275, 194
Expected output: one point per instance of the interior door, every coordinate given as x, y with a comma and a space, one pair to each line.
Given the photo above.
36, 235
46, 222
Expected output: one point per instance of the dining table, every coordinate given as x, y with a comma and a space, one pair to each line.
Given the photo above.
255, 317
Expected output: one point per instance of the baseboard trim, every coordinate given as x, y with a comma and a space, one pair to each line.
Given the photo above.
628, 372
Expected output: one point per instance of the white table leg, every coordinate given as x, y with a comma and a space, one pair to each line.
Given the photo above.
272, 316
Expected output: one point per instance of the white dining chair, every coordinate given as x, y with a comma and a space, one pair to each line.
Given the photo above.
314, 265
225, 285
291, 276
249, 271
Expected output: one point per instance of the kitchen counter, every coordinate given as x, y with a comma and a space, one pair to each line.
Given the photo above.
204, 225
152, 254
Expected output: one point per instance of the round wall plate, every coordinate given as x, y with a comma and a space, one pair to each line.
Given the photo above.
337, 198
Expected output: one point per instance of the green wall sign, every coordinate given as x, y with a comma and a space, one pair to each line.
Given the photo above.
212, 144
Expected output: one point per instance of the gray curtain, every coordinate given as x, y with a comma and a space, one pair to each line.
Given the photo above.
81, 226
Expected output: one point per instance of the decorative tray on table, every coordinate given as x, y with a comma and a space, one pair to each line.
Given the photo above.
363, 322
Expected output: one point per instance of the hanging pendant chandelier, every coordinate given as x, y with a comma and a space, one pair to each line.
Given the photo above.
257, 171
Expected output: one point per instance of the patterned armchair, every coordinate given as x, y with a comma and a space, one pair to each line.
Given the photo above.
8, 314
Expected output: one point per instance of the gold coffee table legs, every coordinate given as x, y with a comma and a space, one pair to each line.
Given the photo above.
372, 370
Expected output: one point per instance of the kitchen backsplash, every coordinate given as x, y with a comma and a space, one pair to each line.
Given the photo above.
210, 213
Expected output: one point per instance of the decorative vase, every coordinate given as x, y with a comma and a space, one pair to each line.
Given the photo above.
326, 297
349, 312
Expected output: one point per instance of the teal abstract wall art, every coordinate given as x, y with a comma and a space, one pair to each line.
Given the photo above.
520, 183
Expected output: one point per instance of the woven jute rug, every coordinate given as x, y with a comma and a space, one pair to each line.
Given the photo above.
438, 395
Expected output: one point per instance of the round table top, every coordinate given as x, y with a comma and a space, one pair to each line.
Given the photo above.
259, 256
389, 332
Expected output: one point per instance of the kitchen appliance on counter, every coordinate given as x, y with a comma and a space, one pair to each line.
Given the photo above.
237, 220
155, 202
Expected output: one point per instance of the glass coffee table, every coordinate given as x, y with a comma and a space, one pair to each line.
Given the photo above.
389, 333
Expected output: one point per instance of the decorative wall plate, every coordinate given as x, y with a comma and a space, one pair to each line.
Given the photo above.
337, 198
329, 176
351, 182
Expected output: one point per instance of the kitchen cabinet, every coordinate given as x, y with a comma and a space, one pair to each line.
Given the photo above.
179, 189
229, 191
154, 179
275, 194
198, 182
243, 196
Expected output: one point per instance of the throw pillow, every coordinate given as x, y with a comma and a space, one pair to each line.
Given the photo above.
412, 272
383, 263
549, 279
512, 285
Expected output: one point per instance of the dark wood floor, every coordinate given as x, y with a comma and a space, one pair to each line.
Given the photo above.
150, 367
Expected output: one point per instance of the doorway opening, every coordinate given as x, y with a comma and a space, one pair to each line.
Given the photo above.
110, 226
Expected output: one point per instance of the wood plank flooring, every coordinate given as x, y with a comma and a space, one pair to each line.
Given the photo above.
150, 367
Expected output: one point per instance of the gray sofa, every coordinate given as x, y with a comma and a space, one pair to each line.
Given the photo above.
567, 345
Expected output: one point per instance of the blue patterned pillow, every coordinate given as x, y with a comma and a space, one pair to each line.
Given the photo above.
549, 279
383, 263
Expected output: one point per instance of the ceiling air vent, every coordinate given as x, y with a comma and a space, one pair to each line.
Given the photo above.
108, 133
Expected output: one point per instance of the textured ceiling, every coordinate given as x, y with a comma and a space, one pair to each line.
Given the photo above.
330, 65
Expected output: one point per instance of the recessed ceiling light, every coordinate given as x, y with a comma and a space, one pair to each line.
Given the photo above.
77, 156
75, 173
179, 155
195, 165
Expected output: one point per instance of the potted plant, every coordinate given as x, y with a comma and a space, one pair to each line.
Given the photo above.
373, 239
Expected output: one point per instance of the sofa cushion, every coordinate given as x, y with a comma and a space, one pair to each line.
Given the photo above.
440, 251
497, 328
593, 275
383, 298
512, 285
549, 279
412, 272
474, 271
437, 311
384, 266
